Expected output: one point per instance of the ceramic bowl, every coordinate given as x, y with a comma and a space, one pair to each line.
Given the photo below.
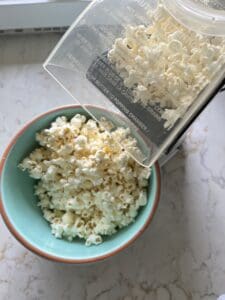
18, 204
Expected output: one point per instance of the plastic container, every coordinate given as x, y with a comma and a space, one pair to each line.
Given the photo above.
80, 64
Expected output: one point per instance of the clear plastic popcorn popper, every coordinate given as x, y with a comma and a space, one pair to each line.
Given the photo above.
80, 64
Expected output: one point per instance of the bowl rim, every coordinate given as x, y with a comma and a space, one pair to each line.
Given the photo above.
42, 253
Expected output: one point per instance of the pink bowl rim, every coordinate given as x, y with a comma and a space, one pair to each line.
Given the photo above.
42, 253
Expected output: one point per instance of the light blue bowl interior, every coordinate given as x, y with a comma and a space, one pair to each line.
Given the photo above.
20, 204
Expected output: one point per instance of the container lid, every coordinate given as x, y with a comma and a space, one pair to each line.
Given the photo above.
203, 16
112, 41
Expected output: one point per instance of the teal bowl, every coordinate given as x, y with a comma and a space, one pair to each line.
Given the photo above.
18, 205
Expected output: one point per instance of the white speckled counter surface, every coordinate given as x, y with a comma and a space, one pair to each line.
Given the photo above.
181, 256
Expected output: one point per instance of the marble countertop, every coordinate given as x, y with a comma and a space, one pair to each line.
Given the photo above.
181, 256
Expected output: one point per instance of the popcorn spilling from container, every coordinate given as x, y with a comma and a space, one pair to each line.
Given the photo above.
88, 186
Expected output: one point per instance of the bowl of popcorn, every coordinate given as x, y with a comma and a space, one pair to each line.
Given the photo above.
70, 192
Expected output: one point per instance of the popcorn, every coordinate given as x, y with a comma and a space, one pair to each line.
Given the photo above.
94, 239
166, 63
68, 218
88, 186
